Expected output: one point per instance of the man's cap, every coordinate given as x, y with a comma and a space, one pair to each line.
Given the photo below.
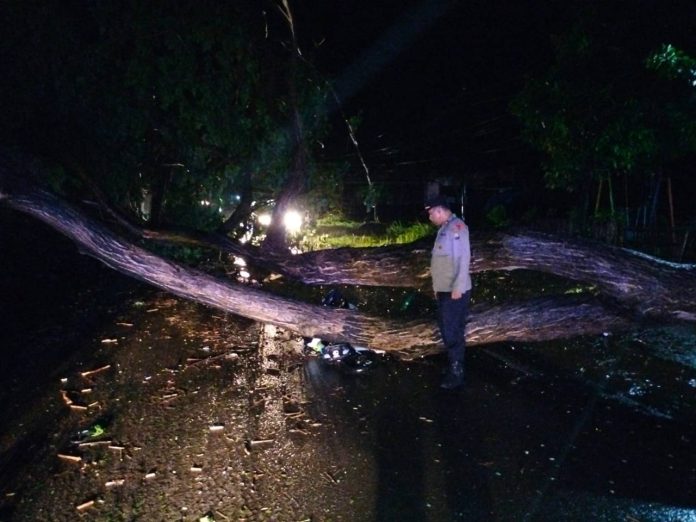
438, 201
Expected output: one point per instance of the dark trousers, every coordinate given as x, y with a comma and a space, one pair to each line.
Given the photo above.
451, 318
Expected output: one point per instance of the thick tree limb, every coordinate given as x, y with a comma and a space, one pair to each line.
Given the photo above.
649, 286
538, 320
646, 284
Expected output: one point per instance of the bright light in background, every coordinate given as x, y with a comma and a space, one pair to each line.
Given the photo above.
264, 219
292, 221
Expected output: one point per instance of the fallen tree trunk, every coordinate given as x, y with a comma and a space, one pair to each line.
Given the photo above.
650, 286
532, 321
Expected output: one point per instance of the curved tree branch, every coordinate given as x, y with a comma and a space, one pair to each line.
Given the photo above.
538, 320
642, 282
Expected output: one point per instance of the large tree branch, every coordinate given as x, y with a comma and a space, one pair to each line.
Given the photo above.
648, 285
531, 321
632, 277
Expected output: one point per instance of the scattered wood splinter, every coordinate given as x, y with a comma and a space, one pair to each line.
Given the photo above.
255, 444
94, 443
67, 400
85, 505
69, 458
97, 370
330, 477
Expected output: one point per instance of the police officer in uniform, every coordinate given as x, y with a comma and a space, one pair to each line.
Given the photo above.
449, 268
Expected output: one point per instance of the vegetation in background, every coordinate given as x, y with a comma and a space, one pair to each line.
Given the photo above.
175, 115
335, 233
614, 114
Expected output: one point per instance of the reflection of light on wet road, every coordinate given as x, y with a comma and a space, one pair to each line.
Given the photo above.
584, 507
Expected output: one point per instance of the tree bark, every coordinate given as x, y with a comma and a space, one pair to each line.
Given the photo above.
649, 286
538, 320
276, 238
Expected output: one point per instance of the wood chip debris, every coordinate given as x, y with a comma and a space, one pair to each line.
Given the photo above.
258, 444
95, 443
67, 400
69, 458
330, 477
96, 370
85, 505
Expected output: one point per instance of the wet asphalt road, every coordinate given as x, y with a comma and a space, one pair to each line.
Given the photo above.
595, 429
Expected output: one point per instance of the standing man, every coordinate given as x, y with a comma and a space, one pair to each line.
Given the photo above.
449, 268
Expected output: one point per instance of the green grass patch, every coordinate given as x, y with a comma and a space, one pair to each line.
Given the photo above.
353, 234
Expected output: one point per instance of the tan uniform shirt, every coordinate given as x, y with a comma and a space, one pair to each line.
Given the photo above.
451, 256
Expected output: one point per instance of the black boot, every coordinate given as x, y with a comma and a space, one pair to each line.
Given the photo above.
455, 376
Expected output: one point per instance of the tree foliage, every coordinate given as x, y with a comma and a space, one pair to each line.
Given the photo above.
612, 101
183, 104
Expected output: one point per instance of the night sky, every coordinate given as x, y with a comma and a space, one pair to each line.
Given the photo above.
433, 80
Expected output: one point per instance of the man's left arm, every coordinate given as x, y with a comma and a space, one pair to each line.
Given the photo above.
462, 258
